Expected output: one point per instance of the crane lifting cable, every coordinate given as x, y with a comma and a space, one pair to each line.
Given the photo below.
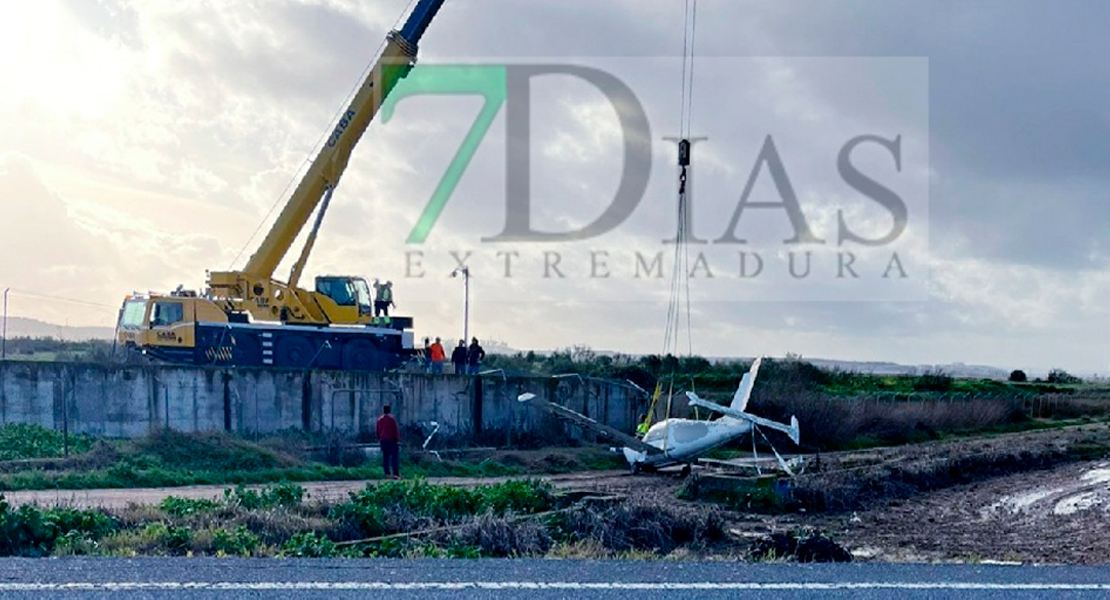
680, 272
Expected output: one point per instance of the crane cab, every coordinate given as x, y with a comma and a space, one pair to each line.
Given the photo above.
351, 295
165, 324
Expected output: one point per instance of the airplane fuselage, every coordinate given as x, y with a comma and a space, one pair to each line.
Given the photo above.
684, 439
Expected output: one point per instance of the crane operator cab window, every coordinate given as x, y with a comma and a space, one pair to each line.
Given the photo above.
166, 313
346, 291
131, 316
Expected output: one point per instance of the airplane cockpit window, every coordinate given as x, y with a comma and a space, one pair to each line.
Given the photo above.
688, 432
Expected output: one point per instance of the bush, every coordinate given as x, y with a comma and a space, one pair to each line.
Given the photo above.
1018, 376
933, 381
1061, 376
401, 505
497, 536
29, 531
641, 524
285, 494
25, 440
238, 542
182, 507
309, 545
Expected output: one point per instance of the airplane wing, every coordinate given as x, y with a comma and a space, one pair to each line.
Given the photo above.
791, 430
587, 423
747, 383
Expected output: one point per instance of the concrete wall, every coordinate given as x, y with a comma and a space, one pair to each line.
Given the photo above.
129, 401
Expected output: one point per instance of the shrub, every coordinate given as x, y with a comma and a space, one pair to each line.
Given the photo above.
285, 494
933, 381
1018, 376
400, 505
182, 507
641, 524
309, 544
496, 536
238, 542
26, 440
1061, 376
29, 531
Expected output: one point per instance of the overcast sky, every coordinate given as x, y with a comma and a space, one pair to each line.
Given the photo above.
142, 143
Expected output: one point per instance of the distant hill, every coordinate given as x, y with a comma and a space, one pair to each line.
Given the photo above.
24, 327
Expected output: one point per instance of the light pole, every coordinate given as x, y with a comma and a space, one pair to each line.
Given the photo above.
4, 333
465, 272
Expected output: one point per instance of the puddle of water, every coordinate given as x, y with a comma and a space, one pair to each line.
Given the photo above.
1097, 476
1076, 503
1020, 502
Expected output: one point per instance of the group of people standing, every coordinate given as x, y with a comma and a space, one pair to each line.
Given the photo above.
467, 360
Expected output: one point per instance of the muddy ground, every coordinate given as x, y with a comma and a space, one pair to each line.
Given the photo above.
1040, 497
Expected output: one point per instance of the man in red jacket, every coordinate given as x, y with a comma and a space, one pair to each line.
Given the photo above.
389, 437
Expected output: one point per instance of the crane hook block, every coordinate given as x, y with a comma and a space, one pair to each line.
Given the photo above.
684, 153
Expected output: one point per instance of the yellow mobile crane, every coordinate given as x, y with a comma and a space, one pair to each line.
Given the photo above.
249, 318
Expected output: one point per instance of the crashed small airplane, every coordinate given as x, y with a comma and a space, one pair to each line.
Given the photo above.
677, 441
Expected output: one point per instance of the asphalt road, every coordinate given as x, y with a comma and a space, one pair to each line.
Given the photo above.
197, 578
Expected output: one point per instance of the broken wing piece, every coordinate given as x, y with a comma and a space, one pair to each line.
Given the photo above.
747, 383
603, 430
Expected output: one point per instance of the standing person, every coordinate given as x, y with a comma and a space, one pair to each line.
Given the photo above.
458, 358
474, 356
426, 355
383, 298
437, 356
389, 438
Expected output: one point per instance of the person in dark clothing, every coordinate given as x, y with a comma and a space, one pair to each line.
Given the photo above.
389, 437
474, 356
458, 358
383, 298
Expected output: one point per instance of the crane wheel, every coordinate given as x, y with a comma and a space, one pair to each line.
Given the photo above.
361, 355
294, 352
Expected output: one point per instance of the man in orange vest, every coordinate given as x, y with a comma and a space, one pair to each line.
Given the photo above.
437, 356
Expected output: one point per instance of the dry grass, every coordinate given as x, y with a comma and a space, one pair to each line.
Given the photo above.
639, 524
832, 423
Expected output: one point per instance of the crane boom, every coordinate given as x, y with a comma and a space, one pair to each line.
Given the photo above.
396, 60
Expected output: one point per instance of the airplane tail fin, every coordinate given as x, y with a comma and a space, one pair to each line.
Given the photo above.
747, 382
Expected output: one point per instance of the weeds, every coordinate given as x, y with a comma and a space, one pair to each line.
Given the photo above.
800, 546
29, 531
24, 441
643, 525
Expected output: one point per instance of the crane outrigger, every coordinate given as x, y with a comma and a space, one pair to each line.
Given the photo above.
248, 317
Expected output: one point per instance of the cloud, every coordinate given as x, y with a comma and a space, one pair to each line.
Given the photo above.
144, 142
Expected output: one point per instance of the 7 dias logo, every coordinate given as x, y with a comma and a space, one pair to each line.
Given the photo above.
822, 194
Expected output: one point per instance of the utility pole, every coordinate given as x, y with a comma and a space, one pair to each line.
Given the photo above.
465, 272
4, 333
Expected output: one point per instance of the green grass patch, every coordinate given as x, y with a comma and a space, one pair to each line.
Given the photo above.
23, 441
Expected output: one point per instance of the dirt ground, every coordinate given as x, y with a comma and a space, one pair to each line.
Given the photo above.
1056, 511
